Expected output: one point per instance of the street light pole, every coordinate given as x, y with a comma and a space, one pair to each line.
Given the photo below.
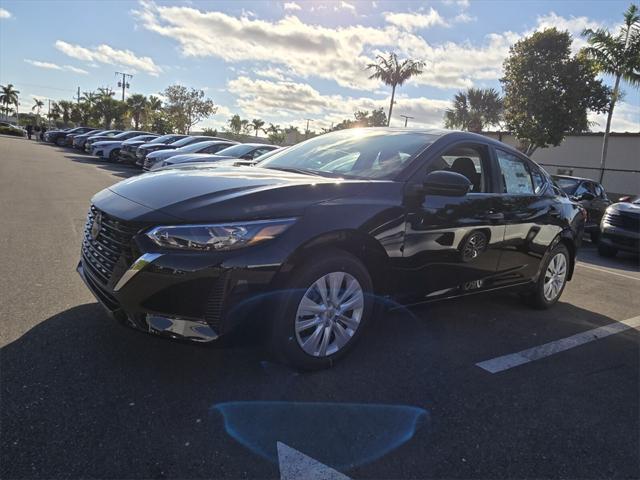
124, 84
406, 119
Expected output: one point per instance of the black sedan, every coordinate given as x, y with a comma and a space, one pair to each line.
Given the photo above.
242, 151
59, 137
591, 195
305, 242
129, 154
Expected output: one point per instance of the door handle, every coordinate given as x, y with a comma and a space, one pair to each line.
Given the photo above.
554, 212
495, 216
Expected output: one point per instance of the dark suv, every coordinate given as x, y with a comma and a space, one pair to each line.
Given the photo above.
304, 242
591, 195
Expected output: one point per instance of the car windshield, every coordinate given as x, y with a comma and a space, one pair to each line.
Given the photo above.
358, 153
195, 147
568, 185
236, 150
188, 141
166, 139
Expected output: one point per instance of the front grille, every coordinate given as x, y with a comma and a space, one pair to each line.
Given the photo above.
623, 220
108, 248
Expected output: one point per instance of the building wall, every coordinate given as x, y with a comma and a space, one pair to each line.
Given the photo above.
579, 155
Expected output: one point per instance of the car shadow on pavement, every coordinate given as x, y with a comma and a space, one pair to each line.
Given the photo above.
623, 261
84, 397
119, 170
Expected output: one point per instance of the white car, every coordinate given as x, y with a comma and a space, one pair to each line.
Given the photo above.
110, 149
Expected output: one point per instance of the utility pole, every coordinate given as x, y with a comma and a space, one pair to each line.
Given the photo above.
49, 113
124, 84
406, 119
306, 132
78, 98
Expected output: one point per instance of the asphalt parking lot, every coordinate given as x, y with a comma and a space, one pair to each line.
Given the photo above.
83, 397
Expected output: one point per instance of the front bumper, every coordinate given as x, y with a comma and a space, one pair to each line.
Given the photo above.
190, 296
620, 238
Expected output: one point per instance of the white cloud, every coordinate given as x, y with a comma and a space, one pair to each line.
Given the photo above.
292, 6
274, 73
415, 21
345, 6
54, 66
574, 25
111, 56
464, 18
626, 118
296, 101
4, 13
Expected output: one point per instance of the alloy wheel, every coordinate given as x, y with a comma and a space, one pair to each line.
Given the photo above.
329, 314
555, 277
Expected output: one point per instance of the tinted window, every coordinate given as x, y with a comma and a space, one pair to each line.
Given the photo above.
568, 185
585, 187
357, 153
539, 180
515, 174
201, 146
190, 140
467, 160
214, 148
237, 150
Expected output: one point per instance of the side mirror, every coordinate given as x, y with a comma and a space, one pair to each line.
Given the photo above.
450, 184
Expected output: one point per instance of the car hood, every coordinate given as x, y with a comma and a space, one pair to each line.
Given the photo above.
226, 193
157, 146
106, 143
625, 207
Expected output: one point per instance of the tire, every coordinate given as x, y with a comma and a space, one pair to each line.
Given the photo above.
595, 237
606, 250
548, 289
113, 156
290, 343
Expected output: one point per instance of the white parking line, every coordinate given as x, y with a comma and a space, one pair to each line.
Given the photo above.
500, 364
605, 270
295, 465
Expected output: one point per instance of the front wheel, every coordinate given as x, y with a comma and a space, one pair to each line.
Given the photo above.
327, 304
550, 285
113, 156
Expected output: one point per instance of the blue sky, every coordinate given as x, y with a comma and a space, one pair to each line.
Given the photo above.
282, 61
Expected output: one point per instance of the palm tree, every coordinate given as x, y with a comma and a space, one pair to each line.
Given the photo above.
137, 104
257, 124
37, 105
65, 107
617, 55
9, 96
474, 109
394, 73
154, 103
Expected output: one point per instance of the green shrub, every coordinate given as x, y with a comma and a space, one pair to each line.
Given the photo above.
10, 131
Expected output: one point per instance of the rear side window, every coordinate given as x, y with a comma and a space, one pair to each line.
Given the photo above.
516, 178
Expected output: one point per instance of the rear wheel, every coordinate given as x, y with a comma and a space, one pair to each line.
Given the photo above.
550, 285
326, 307
606, 250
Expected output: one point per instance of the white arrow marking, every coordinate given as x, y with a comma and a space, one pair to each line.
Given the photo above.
295, 465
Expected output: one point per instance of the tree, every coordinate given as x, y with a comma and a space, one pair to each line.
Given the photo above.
617, 55
9, 96
257, 124
235, 125
154, 103
37, 105
107, 109
137, 104
548, 92
54, 112
474, 109
65, 108
187, 107
394, 73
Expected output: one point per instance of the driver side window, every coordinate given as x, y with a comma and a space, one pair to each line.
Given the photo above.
468, 160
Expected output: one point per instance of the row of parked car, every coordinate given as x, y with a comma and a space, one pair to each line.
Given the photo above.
151, 151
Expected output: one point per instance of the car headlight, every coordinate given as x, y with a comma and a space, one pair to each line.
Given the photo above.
220, 236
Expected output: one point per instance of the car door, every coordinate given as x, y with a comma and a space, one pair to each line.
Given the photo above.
531, 217
452, 243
